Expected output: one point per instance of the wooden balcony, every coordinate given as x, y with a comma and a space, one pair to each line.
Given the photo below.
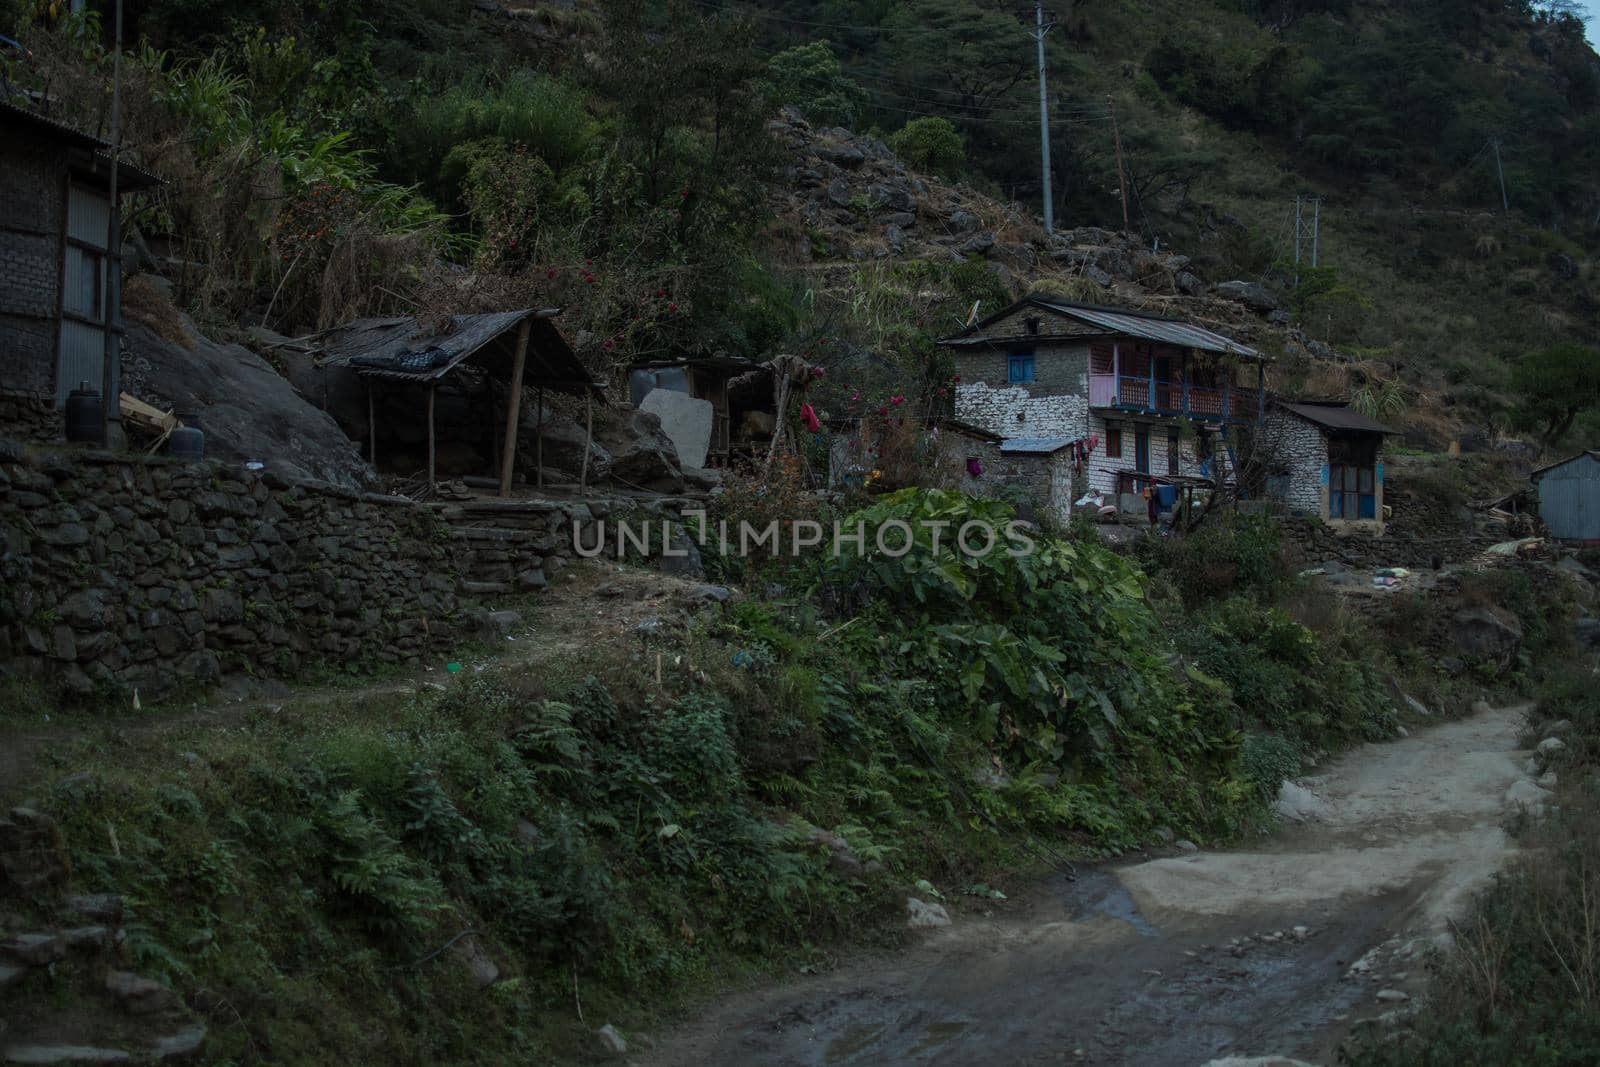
1153, 396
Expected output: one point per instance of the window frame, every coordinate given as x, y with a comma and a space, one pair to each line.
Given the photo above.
1113, 442
1014, 360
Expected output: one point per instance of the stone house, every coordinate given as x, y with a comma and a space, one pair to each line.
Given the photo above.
1141, 399
54, 290
1324, 459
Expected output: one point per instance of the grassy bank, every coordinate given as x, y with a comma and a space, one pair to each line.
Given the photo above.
631, 815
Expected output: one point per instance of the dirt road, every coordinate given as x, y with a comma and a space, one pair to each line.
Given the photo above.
1178, 960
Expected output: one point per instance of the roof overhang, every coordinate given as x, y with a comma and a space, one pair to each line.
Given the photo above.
1112, 322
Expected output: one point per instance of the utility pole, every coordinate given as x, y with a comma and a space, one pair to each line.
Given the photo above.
1040, 29
1505, 204
1316, 228
111, 363
1122, 181
1298, 229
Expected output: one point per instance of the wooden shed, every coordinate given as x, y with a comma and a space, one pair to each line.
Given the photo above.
1569, 497
511, 348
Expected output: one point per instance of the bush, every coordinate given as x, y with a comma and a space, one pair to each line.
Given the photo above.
930, 143
1231, 553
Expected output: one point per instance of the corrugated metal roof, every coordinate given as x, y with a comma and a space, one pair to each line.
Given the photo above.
1539, 472
130, 175
1035, 446
1336, 417
1153, 328
1120, 321
400, 350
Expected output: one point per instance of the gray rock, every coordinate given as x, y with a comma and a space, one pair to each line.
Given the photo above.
611, 1041
1551, 747
1297, 803
247, 410
642, 457
64, 1054
502, 621
1481, 632
682, 556
483, 969
33, 853
1393, 996
1098, 276
1183, 844
840, 153
1250, 294
1189, 284
1526, 794
977, 244
962, 221
923, 915
139, 995
713, 593
839, 193
181, 1045
34, 950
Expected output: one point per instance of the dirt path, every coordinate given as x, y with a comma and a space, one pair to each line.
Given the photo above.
1178, 960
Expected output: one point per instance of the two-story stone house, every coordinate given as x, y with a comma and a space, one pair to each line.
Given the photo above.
1116, 399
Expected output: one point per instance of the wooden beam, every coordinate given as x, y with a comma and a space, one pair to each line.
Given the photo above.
538, 440
372, 428
508, 452
432, 450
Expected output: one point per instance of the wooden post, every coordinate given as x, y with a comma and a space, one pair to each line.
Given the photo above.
1183, 369
372, 428
432, 450
1227, 389
1150, 358
508, 453
538, 439
588, 436
1116, 374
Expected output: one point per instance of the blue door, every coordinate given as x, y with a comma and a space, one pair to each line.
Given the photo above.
1141, 457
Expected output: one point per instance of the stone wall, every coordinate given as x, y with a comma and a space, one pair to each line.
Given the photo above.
1297, 452
123, 572
30, 417
997, 409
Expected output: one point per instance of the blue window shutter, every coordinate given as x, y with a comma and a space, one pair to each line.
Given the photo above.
1019, 367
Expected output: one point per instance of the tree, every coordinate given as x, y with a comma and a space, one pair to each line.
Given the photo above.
809, 77
1554, 386
930, 144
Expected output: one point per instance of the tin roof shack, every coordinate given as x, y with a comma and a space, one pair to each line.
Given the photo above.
1569, 497
1325, 459
1126, 381
470, 360
736, 389
56, 296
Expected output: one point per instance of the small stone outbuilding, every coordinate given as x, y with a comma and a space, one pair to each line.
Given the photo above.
1324, 459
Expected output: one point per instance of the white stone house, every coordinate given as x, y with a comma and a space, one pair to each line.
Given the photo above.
1149, 400
1325, 460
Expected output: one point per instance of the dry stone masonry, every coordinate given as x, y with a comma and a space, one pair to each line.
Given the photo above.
124, 573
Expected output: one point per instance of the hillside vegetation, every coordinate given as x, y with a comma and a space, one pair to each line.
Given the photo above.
332, 159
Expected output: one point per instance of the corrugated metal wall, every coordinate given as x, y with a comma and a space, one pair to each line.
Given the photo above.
82, 357
1569, 499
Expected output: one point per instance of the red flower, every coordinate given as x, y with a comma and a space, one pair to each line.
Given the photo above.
661, 292
684, 193
956, 379
608, 346
588, 263
883, 411
673, 308
551, 273
816, 372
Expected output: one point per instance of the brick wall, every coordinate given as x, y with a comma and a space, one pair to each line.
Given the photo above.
32, 184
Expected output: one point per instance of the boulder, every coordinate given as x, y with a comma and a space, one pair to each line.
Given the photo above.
1250, 294
139, 995
642, 456
1297, 803
923, 915
1528, 795
1485, 633
247, 409
33, 853
565, 441
611, 1041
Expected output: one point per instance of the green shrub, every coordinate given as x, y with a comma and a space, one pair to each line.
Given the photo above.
930, 143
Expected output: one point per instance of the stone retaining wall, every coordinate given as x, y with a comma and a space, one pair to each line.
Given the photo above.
121, 572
